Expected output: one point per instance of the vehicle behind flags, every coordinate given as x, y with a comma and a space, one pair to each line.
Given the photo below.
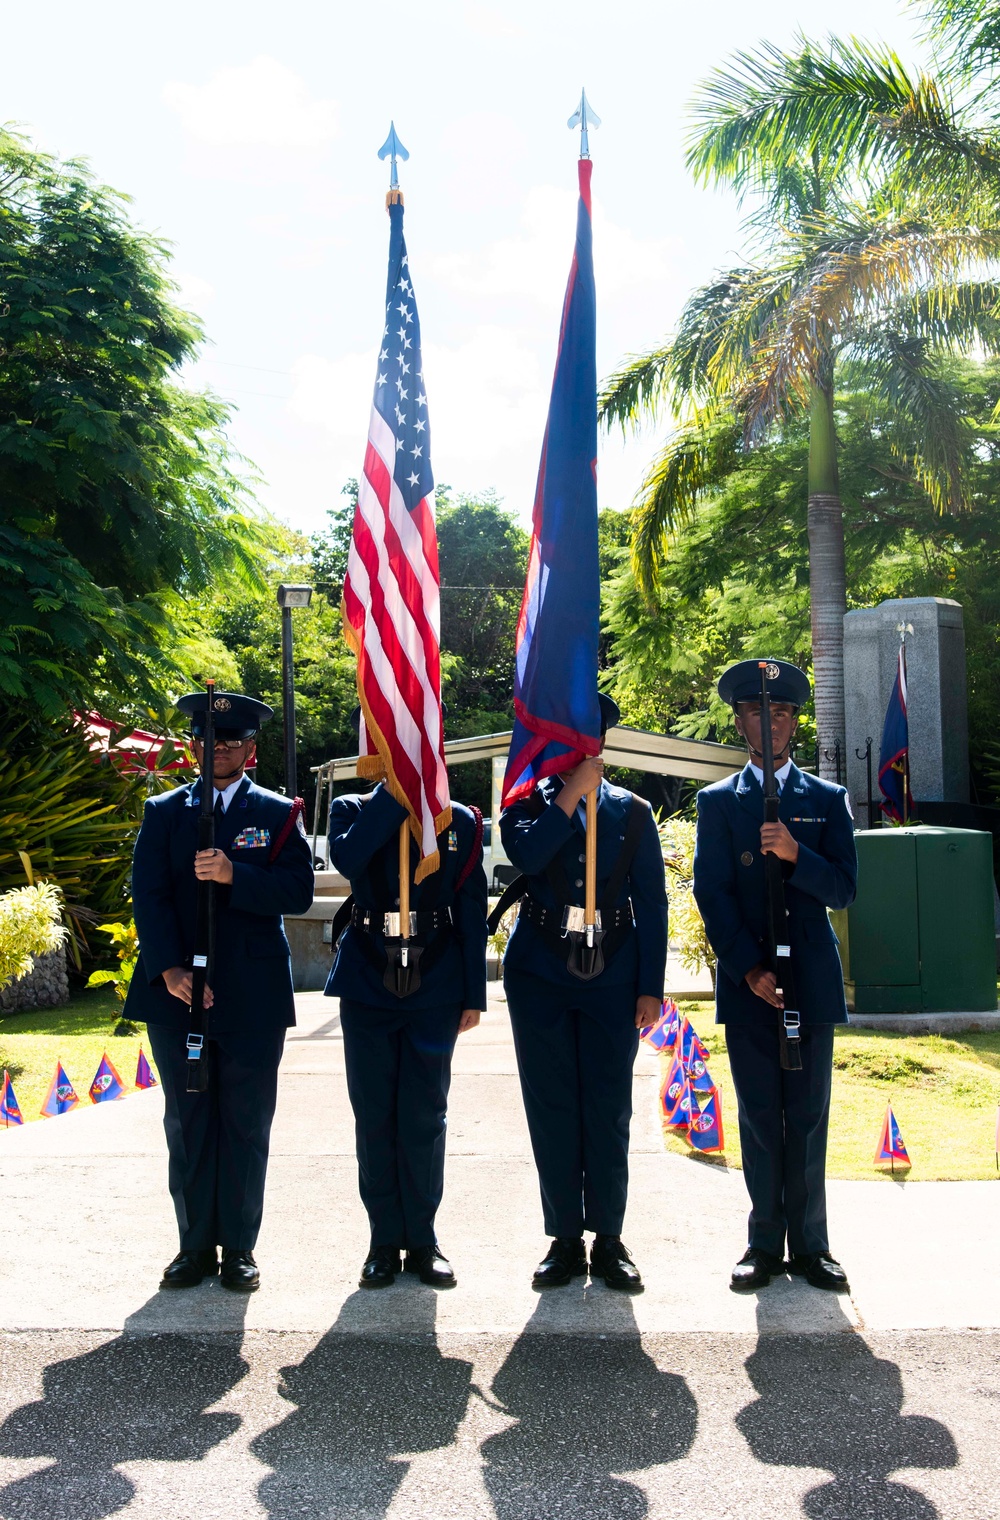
557, 719
894, 755
10, 1109
391, 601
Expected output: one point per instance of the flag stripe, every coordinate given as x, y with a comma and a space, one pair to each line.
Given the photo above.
391, 599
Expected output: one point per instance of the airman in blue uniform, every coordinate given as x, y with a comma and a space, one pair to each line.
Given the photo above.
783, 1114
576, 1039
262, 866
399, 1038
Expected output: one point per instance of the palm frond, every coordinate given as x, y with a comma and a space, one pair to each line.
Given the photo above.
902, 377
636, 389
694, 458
771, 108
853, 284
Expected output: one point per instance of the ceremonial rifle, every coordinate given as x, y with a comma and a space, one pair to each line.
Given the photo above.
779, 949
202, 963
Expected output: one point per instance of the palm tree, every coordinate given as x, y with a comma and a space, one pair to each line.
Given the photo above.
849, 280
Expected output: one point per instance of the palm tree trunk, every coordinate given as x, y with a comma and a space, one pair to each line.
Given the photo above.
827, 579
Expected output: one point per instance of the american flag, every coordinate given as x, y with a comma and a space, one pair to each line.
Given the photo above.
392, 612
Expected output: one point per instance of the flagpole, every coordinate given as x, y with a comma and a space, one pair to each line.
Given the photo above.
590, 869
585, 117
404, 882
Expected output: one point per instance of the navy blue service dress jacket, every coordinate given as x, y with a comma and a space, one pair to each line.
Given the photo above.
364, 829
532, 838
252, 979
730, 891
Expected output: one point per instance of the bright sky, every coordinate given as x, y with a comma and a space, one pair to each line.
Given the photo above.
247, 136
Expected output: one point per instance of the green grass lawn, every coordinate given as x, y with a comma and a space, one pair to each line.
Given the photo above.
944, 1093
78, 1035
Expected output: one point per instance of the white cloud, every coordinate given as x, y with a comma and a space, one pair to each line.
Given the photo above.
534, 262
193, 293
487, 399
259, 104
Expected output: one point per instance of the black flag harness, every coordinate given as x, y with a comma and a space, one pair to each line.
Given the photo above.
562, 927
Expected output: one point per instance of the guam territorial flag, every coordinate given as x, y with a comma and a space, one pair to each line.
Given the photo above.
890, 1150
663, 1034
10, 1109
60, 1098
675, 1097
705, 1133
107, 1084
557, 720
695, 1060
894, 755
144, 1072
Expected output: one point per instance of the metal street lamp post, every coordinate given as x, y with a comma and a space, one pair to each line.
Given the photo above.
289, 597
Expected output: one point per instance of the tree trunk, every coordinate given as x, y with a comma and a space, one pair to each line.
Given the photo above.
827, 579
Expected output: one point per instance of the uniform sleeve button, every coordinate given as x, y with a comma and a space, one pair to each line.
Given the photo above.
583, 859
578, 882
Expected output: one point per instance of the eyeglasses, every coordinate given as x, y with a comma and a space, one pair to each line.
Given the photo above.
226, 743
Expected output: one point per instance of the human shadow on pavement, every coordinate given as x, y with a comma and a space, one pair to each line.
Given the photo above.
826, 1400
140, 1397
586, 1407
363, 1404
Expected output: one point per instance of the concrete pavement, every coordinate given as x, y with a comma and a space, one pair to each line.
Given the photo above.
312, 1398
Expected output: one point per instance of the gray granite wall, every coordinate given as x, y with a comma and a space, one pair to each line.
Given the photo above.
937, 699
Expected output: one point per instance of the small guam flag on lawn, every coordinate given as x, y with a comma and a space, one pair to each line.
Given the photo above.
695, 1059
60, 1098
675, 1097
107, 1084
891, 1151
663, 1034
10, 1109
705, 1133
144, 1072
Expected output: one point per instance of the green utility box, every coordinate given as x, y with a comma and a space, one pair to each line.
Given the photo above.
919, 936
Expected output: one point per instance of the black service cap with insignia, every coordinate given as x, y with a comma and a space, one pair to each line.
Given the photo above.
610, 711
785, 682
236, 717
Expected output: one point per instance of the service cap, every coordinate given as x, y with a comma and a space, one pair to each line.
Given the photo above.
610, 711
785, 682
236, 716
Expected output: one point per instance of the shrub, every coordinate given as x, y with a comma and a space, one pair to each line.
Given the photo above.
29, 926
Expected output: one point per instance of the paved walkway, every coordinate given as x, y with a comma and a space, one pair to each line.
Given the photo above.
312, 1398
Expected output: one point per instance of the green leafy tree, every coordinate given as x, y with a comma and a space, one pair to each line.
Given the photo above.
848, 286
119, 495
736, 574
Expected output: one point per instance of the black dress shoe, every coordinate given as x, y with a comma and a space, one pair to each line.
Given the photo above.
755, 1269
611, 1261
240, 1272
822, 1271
380, 1268
566, 1259
430, 1266
189, 1267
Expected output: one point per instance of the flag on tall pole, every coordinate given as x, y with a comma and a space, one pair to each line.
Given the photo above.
391, 601
557, 718
10, 1109
894, 756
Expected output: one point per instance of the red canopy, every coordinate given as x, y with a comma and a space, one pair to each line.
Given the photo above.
138, 751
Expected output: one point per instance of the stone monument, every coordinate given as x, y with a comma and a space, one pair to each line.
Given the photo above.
937, 706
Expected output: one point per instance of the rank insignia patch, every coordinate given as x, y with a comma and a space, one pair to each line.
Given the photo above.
252, 839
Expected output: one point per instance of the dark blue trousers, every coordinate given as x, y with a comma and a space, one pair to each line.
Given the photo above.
398, 1075
784, 1117
218, 1140
575, 1053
